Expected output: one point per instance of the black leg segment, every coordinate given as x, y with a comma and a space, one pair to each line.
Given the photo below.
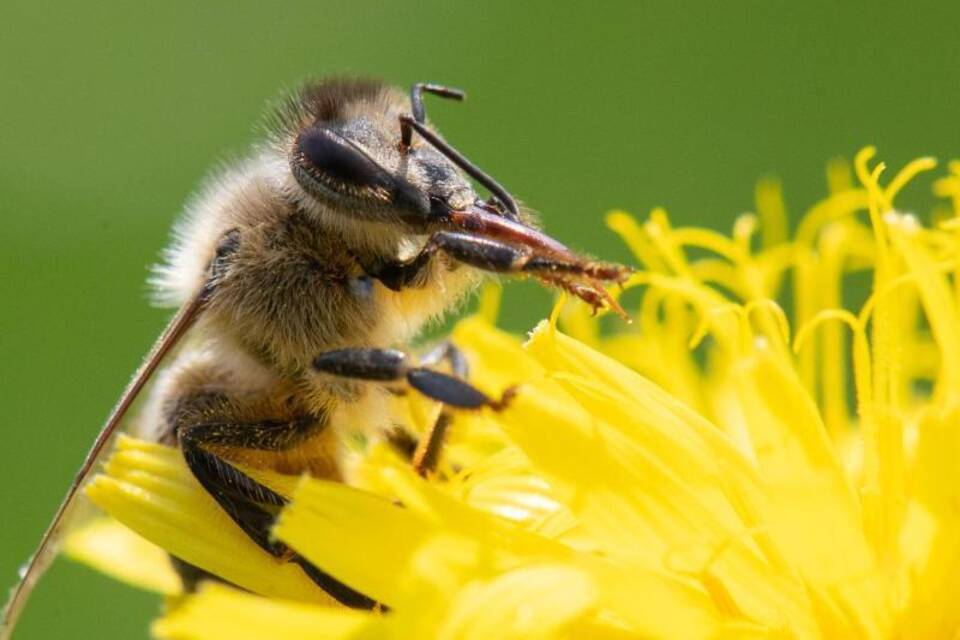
447, 389
501, 257
397, 276
482, 253
192, 576
486, 254
337, 590
426, 456
363, 364
250, 504
388, 365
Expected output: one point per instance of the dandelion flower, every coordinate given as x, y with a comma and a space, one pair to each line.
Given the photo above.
749, 459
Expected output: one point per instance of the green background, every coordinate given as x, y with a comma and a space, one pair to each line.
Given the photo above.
111, 112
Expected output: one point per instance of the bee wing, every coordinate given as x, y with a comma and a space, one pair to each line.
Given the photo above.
47, 548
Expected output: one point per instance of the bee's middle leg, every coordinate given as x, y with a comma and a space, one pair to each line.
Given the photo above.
390, 365
426, 455
249, 503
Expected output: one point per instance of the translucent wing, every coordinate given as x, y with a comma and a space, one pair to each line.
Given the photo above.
47, 549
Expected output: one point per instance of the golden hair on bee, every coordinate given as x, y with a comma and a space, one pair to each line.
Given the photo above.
302, 274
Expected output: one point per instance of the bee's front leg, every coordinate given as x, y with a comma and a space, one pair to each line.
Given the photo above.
494, 256
488, 255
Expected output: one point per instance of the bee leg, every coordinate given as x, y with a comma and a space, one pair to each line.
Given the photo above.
482, 253
397, 276
426, 454
191, 575
500, 257
451, 353
388, 365
250, 504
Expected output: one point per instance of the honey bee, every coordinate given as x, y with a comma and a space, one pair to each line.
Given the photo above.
300, 273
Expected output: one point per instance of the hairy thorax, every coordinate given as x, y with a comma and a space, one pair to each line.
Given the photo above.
289, 286
292, 290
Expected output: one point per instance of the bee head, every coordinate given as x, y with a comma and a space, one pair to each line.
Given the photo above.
342, 140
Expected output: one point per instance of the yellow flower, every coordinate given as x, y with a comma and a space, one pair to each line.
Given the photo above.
714, 470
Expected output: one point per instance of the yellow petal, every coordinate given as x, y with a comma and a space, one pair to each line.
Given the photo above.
109, 547
648, 513
531, 602
368, 541
148, 488
496, 359
334, 526
218, 612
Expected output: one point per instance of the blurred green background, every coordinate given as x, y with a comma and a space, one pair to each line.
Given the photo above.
111, 113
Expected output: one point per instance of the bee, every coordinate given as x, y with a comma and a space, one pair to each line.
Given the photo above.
300, 273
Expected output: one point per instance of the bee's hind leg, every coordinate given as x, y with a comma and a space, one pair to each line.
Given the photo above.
390, 365
249, 503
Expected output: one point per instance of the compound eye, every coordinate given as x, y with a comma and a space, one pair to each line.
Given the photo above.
335, 158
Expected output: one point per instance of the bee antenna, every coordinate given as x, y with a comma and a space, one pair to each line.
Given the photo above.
408, 125
416, 106
416, 97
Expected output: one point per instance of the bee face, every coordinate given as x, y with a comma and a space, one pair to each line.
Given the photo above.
345, 153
